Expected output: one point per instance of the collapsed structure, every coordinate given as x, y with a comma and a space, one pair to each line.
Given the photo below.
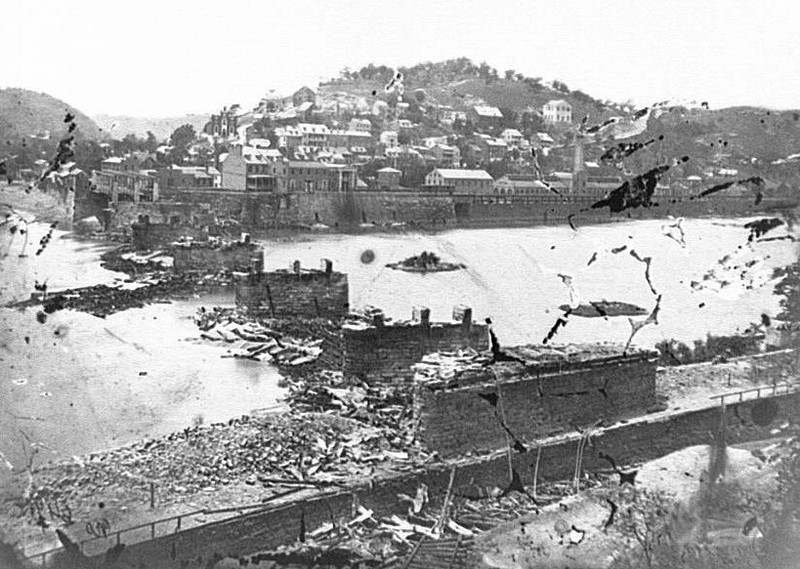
296, 292
215, 255
379, 351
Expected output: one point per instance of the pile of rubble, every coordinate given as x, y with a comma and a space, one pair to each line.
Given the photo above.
445, 366
386, 407
254, 340
431, 533
136, 292
290, 449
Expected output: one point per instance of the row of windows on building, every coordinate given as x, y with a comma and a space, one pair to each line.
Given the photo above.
308, 185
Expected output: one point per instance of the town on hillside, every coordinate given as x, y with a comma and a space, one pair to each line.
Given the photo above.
375, 148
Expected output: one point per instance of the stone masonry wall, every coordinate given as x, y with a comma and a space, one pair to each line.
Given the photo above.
629, 443
371, 206
299, 292
380, 353
464, 420
235, 257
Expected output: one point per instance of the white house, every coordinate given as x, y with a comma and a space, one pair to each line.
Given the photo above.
557, 111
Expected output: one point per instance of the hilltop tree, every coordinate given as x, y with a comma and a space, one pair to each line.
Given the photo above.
560, 86
510, 74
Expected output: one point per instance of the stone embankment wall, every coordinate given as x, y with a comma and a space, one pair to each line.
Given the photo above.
379, 207
637, 441
385, 352
533, 404
296, 292
428, 208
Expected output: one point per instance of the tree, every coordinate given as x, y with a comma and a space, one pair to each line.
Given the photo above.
151, 142
510, 74
183, 136
88, 155
531, 123
403, 137
129, 143
180, 140
560, 86
498, 169
509, 118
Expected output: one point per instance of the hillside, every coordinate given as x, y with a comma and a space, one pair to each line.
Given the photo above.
118, 126
742, 141
459, 82
25, 113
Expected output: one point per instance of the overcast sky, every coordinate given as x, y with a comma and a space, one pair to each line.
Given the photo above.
168, 57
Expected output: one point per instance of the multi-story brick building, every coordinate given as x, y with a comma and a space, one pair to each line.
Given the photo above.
446, 156
314, 135
124, 179
200, 177
319, 177
254, 169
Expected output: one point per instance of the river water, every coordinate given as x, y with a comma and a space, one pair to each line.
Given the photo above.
78, 383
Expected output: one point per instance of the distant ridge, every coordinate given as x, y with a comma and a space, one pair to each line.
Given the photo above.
118, 126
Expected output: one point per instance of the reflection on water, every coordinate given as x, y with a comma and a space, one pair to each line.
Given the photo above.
79, 383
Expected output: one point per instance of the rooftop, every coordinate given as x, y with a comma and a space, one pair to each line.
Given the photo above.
555, 102
200, 171
309, 164
260, 155
487, 111
463, 174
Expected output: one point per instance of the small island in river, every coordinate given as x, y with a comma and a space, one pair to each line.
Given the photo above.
425, 262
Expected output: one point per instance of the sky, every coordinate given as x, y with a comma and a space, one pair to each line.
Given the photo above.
173, 57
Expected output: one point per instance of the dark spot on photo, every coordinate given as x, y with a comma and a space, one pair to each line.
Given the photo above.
367, 256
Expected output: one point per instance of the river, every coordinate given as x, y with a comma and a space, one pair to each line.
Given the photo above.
78, 383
